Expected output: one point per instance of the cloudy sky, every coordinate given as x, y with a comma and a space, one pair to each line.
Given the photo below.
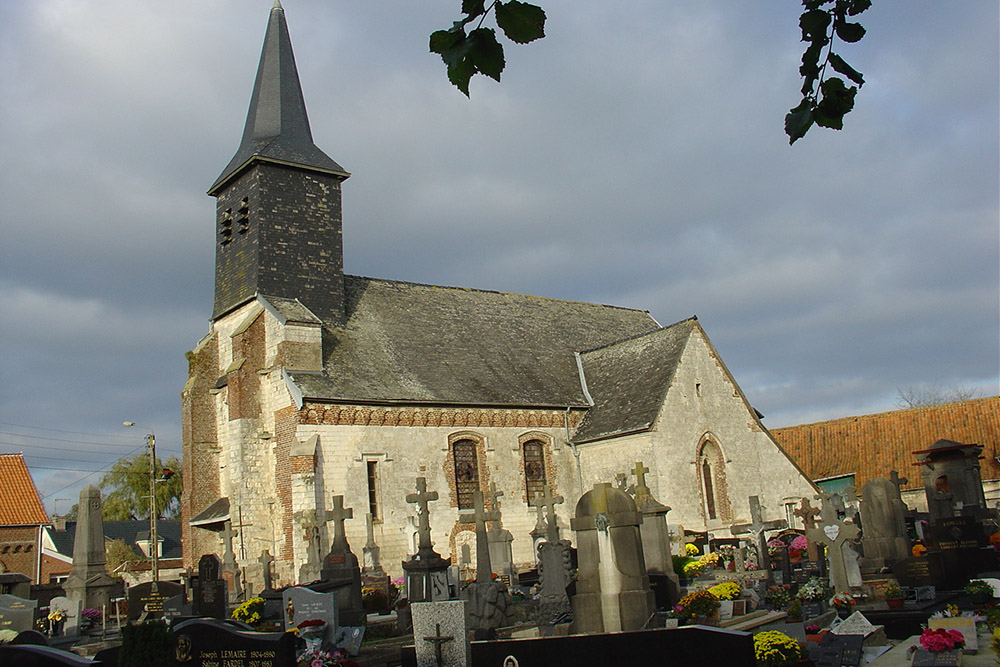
635, 157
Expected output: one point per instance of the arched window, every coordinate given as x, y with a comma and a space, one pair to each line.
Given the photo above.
706, 476
711, 467
466, 472
534, 468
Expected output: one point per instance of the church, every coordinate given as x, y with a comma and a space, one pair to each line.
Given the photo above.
312, 384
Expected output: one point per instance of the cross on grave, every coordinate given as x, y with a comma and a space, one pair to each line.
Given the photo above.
265, 561
898, 481
338, 515
494, 497
484, 570
832, 532
438, 640
310, 522
371, 551
621, 483
229, 558
421, 498
758, 528
549, 502
740, 573
808, 514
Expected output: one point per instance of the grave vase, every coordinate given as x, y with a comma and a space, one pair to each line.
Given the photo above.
894, 603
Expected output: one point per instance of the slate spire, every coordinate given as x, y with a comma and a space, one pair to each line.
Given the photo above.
277, 126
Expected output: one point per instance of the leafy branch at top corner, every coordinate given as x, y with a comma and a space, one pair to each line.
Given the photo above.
478, 51
826, 100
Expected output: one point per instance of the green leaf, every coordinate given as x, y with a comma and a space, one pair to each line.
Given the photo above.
841, 66
485, 52
798, 121
838, 101
858, 6
473, 8
521, 22
810, 67
850, 32
442, 40
814, 24
460, 72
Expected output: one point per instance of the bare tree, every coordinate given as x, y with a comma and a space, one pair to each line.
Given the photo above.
922, 396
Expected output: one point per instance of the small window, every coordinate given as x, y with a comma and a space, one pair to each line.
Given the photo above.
534, 468
466, 472
373, 490
226, 227
706, 474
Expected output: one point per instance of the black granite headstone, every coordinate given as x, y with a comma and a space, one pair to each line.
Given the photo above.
214, 643
840, 650
209, 594
141, 598
32, 655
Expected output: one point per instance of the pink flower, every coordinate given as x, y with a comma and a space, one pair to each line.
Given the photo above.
316, 663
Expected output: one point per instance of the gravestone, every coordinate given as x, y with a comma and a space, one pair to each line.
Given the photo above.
758, 528
953, 480
266, 560
655, 534
807, 513
958, 542
883, 515
372, 574
840, 651
209, 591
311, 523
213, 643
832, 533
31, 655
16, 613
89, 582
426, 572
371, 554
613, 592
440, 634
301, 604
142, 599
857, 624
71, 613
555, 569
488, 601
341, 566
177, 606
500, 541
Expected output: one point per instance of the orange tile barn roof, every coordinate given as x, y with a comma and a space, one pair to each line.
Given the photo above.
873, 445
19, 501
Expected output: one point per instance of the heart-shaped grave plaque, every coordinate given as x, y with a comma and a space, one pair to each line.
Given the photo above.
832, 532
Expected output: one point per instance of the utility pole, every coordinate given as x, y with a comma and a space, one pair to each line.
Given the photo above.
154, 543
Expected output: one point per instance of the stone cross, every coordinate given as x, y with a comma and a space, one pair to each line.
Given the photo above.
229, 559
832, 532
371, 551
549, 502
311, 523
741, 574
621, 483
338, 515
484, 569
421, 498
758, 528
265, 561
494, 497
808, 514
898, 481
438, 640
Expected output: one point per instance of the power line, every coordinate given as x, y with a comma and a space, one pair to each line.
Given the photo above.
55, 430
79, 442
77, 450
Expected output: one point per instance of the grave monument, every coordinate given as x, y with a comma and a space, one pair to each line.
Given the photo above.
613, 592
89, 582
426, 572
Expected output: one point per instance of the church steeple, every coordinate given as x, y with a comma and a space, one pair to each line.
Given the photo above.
278, 200
277, 127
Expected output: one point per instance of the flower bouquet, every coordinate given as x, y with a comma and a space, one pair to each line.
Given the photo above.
701, 604
318, 658
941, 640
250, 612
843, 603
727, 590
775, 649
813, 590
691, 550
312, 631
778, 596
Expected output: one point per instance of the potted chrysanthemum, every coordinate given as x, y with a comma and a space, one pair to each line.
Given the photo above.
776, 649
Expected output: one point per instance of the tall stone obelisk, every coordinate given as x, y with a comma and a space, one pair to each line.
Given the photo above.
89, 581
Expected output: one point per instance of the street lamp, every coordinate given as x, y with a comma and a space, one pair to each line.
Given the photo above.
153, 540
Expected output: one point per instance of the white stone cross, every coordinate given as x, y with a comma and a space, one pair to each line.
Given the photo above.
832, 532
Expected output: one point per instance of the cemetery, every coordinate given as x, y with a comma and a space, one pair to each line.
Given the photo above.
857, 579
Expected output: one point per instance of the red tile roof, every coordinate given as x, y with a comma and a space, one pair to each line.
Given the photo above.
873, 445
19, 501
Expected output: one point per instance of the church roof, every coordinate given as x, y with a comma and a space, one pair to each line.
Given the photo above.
628, 381
411, 343
277, 127
19, 501
168, 532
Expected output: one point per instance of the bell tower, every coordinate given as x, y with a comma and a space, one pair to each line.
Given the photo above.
278, 201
